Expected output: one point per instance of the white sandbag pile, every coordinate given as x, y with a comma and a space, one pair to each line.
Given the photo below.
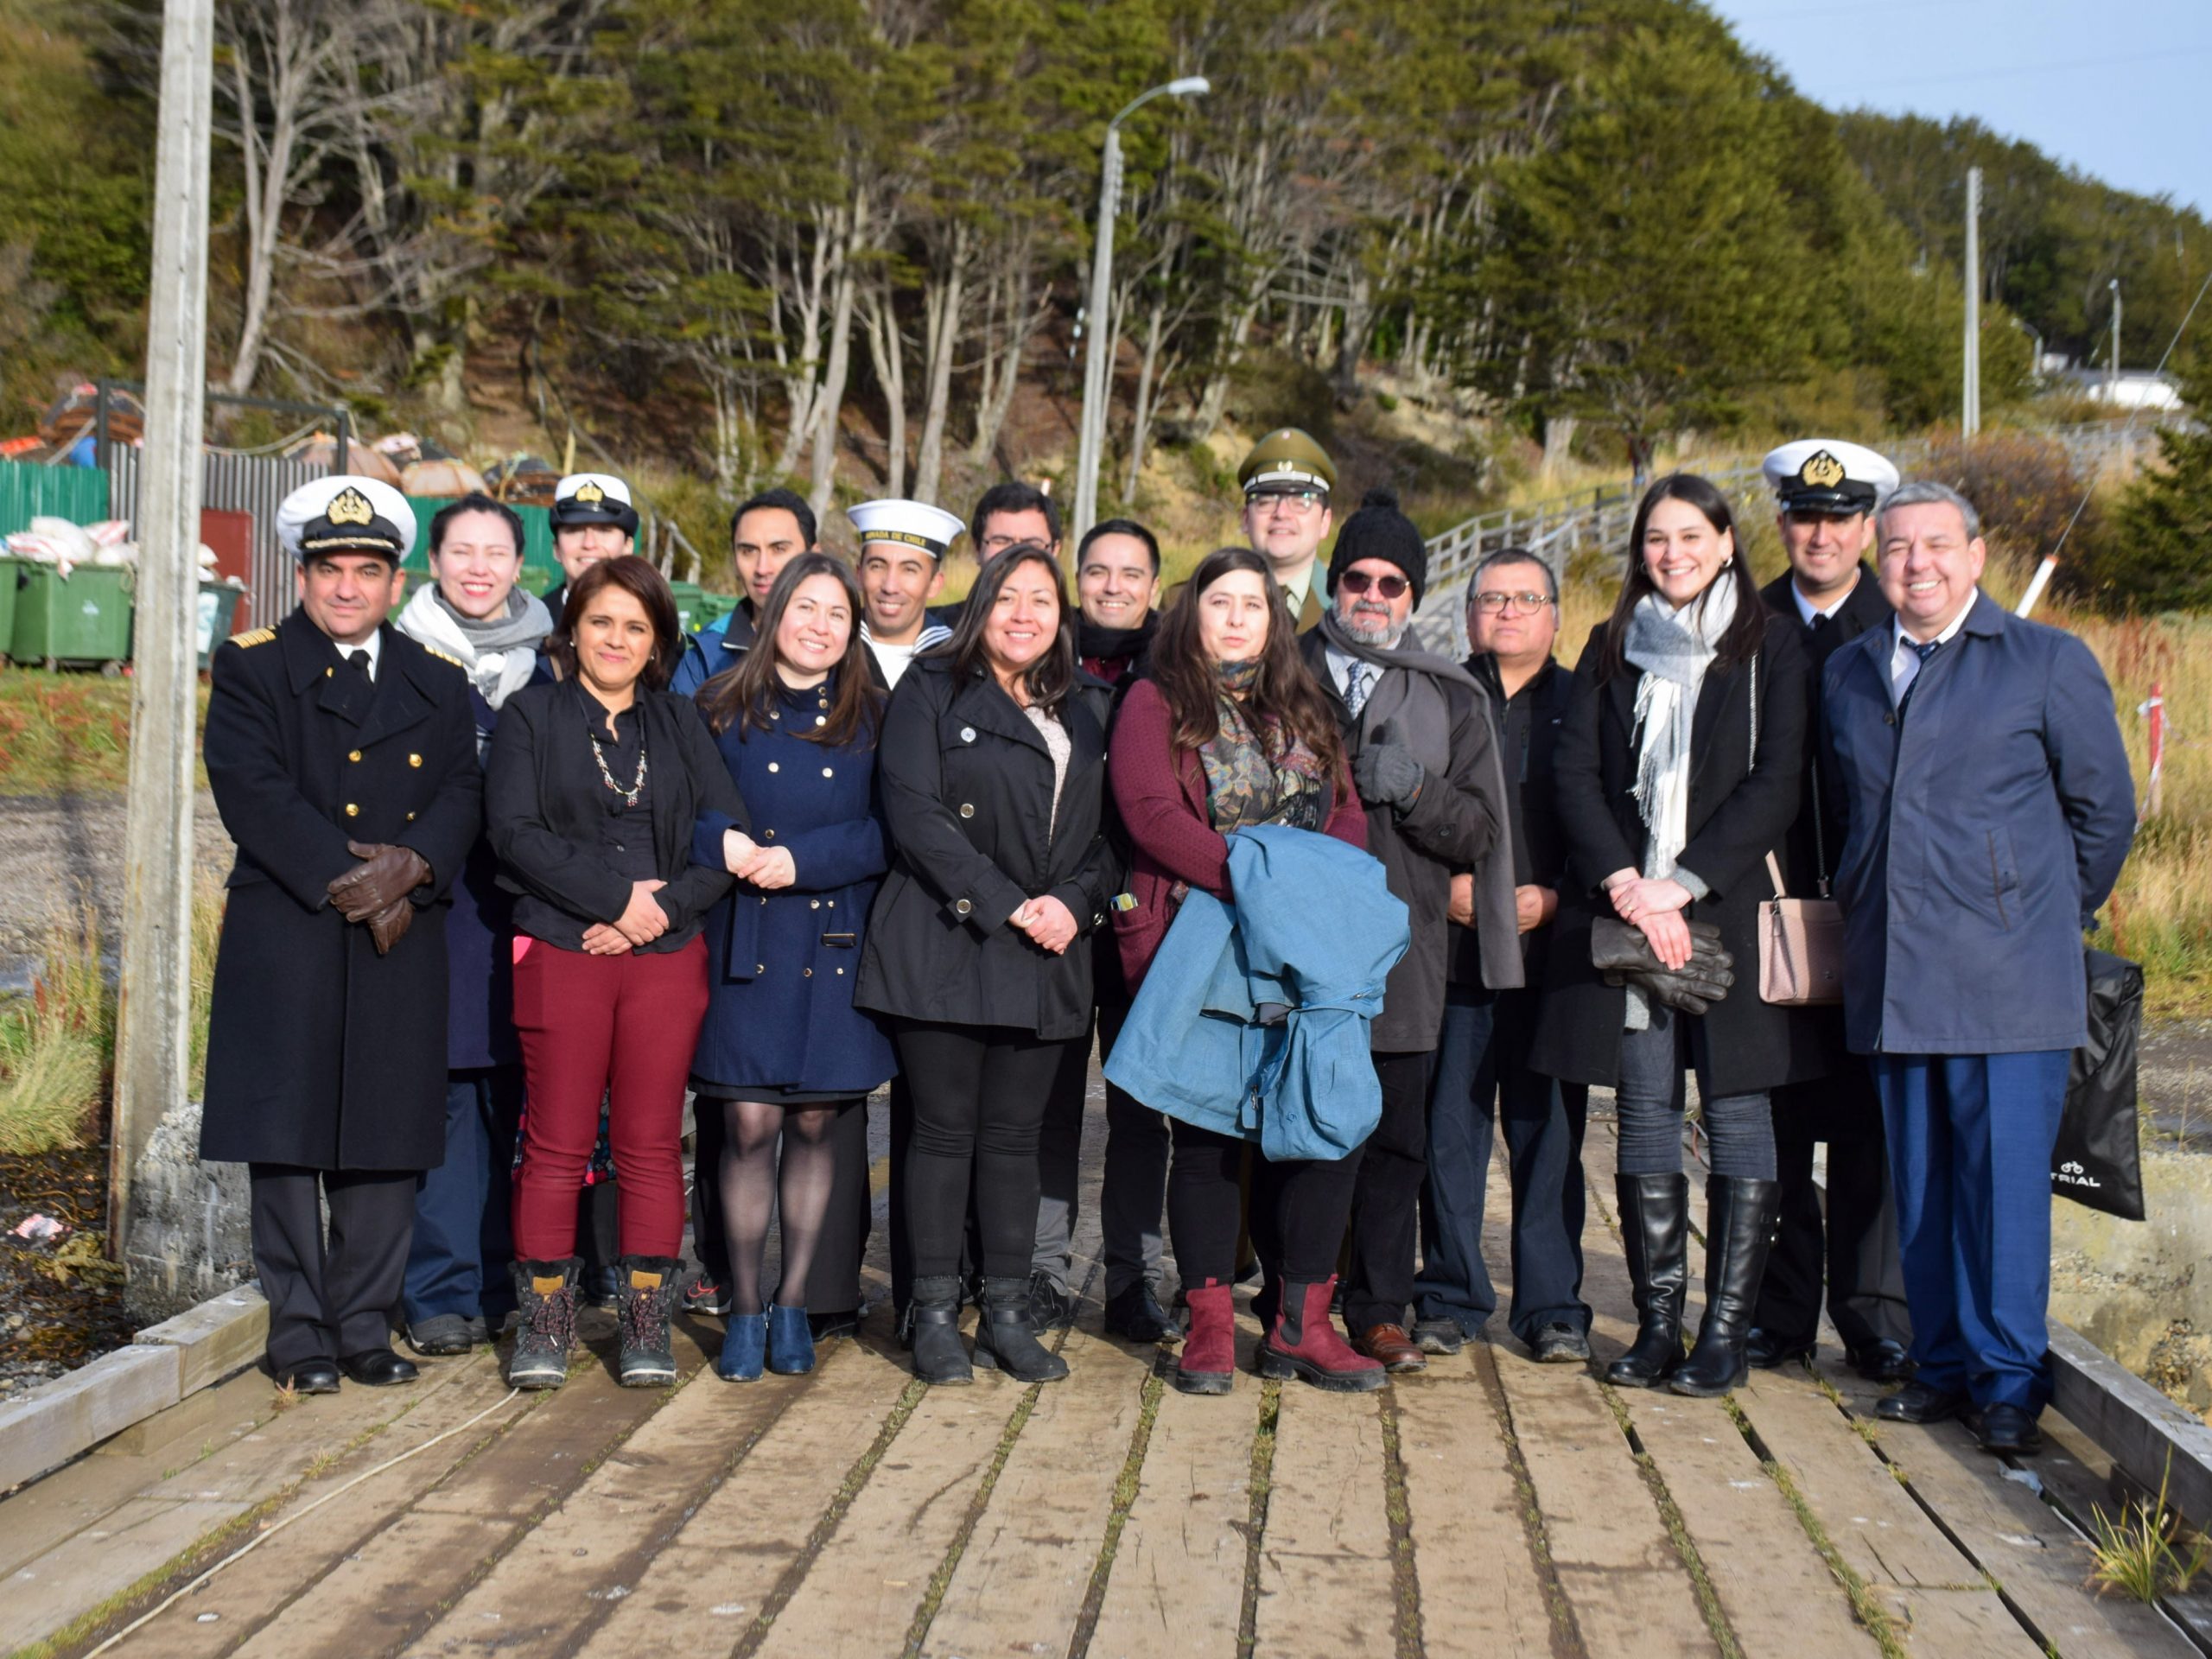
65, 546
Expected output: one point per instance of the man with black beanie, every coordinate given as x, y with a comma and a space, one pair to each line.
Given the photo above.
1424, 757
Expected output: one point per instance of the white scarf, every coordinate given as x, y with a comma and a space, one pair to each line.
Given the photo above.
498, 674
1673, 649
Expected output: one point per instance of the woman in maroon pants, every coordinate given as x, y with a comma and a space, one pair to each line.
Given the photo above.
593, 788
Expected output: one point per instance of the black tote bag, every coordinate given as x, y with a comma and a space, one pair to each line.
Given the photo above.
2097, 1161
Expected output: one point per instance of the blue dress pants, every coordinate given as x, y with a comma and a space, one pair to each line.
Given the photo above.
1483, 1076
464, 1243
1970, 1138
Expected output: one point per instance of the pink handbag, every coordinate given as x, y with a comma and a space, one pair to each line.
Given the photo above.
1800, 948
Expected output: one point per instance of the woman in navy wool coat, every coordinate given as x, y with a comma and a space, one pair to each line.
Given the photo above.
783, 1053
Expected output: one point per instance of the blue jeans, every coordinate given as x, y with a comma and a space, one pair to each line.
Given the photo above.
1970, 1138
1482, 1059
464, 1240
1738, 1128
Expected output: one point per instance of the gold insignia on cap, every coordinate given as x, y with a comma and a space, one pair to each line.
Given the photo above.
1821, 471
589, 495
349, 507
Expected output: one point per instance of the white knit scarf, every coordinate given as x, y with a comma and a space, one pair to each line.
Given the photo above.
1673, 649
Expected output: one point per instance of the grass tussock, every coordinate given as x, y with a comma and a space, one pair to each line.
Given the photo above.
56, 1043
2146, 1551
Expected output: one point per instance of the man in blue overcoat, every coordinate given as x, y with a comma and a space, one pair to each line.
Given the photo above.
1988, 808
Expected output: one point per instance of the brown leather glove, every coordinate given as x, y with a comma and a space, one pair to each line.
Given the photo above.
386, 926
1624, 956
385, 875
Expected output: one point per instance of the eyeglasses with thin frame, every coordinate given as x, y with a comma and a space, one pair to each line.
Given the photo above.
1357, 583
1300, 502
1495, 604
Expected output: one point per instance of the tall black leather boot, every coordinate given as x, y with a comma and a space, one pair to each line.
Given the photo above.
1005, 1340
934, 1318
1739, 1227
1654, 1234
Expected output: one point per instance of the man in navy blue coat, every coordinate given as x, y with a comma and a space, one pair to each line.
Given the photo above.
1988, 810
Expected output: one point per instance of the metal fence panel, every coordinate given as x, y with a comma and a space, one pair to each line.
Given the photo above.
29, 491
256, 485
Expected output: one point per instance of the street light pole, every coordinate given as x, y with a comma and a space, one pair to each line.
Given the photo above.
155, 999
1098, 341
2112, 381
1970, 404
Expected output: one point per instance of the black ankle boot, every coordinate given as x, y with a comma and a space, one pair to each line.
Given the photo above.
1739, 1227
1005, 1340
645, 1289
1655, 1237
934, 1318
545, 1323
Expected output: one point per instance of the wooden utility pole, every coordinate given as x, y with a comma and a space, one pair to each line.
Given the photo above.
156, 1003
1970, 406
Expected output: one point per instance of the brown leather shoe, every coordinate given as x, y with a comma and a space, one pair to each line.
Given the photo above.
1391, 1345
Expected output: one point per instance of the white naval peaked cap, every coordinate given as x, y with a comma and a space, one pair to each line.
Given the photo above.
914, 522
594, 498
343, 513
1828, 476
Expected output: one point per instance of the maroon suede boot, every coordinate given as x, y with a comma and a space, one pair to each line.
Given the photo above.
1208, 1361
1305, 1343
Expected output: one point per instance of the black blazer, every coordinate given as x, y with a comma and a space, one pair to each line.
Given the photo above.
1863, 608
1742, 803
967, 788
542, 807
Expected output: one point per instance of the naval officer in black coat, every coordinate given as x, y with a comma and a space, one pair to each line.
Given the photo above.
1826, 491
342, 756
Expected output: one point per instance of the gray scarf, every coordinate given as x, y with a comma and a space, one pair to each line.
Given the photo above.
500, 652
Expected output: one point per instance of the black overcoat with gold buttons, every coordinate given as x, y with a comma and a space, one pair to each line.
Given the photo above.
967, 787
320, 1054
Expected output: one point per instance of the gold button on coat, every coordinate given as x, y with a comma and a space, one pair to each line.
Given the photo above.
413, 760
351, 811
354, 756
967, 809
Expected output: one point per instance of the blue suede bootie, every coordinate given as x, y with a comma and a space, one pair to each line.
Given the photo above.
742, 1348
791, 1341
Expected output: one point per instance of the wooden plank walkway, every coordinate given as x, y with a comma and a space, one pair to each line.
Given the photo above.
1491, 1506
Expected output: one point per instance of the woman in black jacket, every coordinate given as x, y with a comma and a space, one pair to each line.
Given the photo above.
591, 795
1677, 773
993, 777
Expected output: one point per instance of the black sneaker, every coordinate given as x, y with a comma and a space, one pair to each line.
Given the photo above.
703, 1295
442, 1335
1051, 1308
1438, 1336
1136, 1314
1560, 1344
648, 1292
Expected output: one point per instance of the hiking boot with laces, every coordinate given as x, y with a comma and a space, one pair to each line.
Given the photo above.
545, 1323
644, 1297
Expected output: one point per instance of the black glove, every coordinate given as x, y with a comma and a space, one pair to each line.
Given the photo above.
386, 926
384, 876
1386, 773
1624, 956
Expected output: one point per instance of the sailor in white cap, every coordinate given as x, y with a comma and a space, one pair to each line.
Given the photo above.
593, 519
902, 545
1826, 493
342, 757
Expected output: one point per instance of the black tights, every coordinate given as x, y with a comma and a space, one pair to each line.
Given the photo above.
798, 1188
1299, 1208
979, 1095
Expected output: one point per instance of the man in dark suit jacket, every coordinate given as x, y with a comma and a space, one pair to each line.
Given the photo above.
1827, 490
342, 756
1481, 1073
1985, 789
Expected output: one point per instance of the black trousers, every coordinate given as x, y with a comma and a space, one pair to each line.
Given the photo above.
1856, 1240
1298, 1209
979, 1095
1385, 1198
833, 1285
330, 1297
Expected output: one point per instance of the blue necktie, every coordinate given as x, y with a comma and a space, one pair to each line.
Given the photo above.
1923, 651
1355, 687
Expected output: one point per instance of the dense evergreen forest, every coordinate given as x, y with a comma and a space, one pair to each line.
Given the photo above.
720, 226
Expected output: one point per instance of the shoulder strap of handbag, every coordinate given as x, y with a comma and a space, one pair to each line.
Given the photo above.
1774, 875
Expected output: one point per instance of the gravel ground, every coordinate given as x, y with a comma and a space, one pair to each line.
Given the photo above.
55, 850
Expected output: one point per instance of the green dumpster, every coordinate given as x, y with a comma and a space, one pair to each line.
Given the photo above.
219, 610
714, 606
11, 572
82, 622
689, 595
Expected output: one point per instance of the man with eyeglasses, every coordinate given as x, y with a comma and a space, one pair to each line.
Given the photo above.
1424, 760
1827, 492
1287, 480
1481, 1055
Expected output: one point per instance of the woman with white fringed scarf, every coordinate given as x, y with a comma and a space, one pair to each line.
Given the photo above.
1678, 769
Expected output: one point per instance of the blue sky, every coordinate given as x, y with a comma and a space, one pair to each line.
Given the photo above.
2116, 87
